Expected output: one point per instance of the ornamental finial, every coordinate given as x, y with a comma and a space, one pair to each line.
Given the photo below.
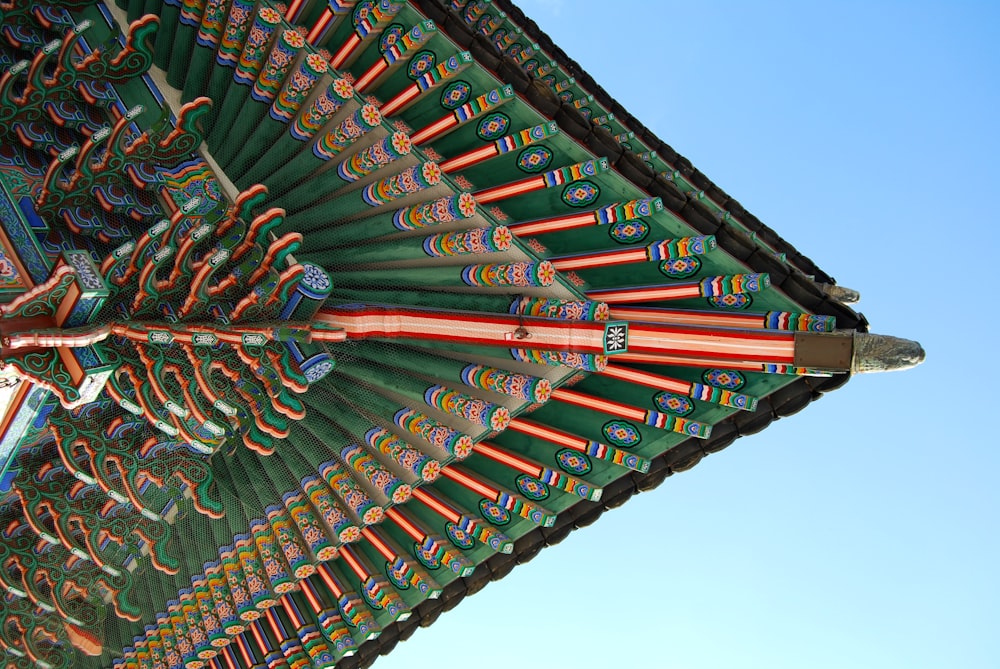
840, 293
884, 353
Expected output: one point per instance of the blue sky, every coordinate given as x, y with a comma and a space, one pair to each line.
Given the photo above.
861, 532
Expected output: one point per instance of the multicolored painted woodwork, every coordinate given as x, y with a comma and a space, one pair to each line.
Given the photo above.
252, 59
473, 409
478, 241
444, 210
279, 61
540, 473
322, 109
410, 180
325, 314
434, 432
522, 505
572, 337
772, 320
583, 361
429, 81
511, 274
668, 385
551, 179
402, 453
652, 418
306, 123
395, 56
327, 147
665, 250
376, 156
467, 112
713, 343
368, 21
503, 145
529, 388
562, 309
609, 215
255, 122
469, 526
735, 284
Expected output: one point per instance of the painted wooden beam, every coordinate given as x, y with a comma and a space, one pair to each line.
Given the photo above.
504, 330
658, 419
550, 179
771, 320
427, 83
614, 213
698, 391
586, 446
467, 112
657, 251
732, 284
501, 146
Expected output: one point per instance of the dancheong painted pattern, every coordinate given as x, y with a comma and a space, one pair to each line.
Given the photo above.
317, 316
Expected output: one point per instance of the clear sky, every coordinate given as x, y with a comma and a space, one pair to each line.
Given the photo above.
862, 532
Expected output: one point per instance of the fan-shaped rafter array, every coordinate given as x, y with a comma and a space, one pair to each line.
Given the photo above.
326, 313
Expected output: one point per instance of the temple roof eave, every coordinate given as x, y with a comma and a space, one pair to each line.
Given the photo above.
800, 284
422, 345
